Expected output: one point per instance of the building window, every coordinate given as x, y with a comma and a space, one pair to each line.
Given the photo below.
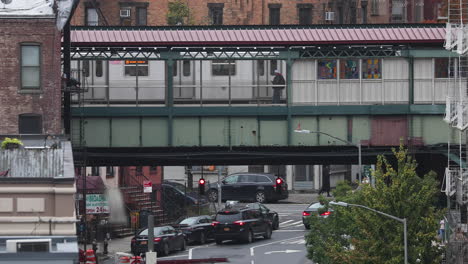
371, 69
349, 69
153, 168
398, 7
94, 171
305, 14
223, 67
136, 68
139, 169
375, 7
29, 124
215, 13
91, 17
186, 67
99, 68
275, 14
109, 172
442, 69
141, 14
327, 69
30, 67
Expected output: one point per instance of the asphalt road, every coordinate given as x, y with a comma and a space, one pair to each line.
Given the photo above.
287, 245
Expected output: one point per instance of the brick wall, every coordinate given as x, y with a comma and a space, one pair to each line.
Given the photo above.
239, 12
12, 102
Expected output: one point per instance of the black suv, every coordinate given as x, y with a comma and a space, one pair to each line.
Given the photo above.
241, 224
259, 187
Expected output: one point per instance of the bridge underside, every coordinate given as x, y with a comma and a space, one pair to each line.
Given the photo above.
179, 156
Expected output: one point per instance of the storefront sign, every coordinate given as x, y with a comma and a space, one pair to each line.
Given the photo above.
96, 204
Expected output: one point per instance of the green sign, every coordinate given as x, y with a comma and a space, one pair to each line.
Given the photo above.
96, 204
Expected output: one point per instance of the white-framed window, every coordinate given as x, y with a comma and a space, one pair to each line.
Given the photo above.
30, 66
91, 17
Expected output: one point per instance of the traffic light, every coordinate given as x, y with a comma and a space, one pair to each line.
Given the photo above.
201, 186
279, 185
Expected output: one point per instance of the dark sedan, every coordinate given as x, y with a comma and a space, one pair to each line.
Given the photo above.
314, 209
269, 214
259, 187
197, 229
166, 239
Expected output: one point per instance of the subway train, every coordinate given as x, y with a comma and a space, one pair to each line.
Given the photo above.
346, 81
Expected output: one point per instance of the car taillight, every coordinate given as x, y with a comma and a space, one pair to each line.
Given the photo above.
214, 223
241, 223
157, 239
133, 240
326, 213
305, 213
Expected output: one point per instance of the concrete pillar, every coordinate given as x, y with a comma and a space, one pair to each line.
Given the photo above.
317, 178
290, 176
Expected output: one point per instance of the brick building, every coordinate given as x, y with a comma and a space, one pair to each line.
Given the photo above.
255, 12
30, 83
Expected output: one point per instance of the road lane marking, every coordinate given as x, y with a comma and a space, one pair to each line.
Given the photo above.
283, 251
252, 253
285, 222
292, 224
298, 242
190, 250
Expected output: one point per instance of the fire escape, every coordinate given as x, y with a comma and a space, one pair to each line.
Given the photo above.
456, 115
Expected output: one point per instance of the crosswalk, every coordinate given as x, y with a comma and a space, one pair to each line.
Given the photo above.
290, 223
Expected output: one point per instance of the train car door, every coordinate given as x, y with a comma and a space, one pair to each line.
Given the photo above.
94, 78
184, 82
263, 74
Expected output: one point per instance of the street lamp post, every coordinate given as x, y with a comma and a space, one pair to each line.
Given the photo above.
402, 220
358, 145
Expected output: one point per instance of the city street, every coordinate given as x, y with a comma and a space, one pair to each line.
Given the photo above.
287, 245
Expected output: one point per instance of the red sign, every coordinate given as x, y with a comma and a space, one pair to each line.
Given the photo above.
147, 186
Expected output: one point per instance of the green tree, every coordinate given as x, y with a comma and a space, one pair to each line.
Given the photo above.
356, 235
178, 13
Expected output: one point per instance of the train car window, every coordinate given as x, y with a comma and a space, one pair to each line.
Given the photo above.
326, 69
86, 68
441, 68
371, 69
223, 67
174, 69
136, 68
260, 67
186, 68
349, 69
273, 66
99, 68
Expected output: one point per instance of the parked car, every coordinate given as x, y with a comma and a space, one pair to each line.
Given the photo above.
197, 228
271, 215
259, 187
181, 194
313, 209
166, 239
241, 223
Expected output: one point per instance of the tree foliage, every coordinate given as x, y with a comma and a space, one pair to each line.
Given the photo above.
178, 13
356, 235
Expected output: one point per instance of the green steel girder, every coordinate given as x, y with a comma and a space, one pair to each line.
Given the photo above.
346, 52
323, 110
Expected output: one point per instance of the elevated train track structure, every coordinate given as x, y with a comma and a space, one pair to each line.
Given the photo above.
186, 95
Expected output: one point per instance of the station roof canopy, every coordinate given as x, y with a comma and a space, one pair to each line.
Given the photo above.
261, 36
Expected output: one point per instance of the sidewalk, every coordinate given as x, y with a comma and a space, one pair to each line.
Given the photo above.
301, 198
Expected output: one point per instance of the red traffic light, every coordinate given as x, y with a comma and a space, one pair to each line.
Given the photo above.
201, 181
279, 181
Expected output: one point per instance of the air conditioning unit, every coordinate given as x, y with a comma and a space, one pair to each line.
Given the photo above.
29, 245
329, 16
124, 12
